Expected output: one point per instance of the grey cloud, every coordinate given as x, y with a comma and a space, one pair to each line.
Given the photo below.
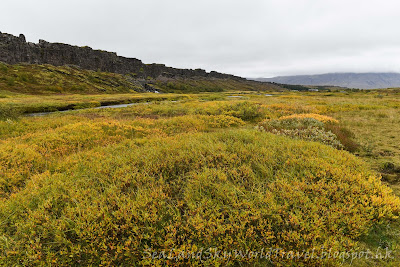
253, 38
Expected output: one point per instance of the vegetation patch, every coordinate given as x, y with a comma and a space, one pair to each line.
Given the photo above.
189, 171
311, 127
318, 117
232, 190
8, 112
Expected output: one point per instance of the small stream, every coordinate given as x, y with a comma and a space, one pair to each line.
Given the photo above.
39, 114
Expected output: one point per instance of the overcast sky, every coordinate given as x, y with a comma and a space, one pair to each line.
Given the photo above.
252, 38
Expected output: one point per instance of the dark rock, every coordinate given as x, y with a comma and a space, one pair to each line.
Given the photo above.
15, 50
22, 37
149, 88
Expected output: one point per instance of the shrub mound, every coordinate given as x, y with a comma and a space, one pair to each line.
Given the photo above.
318, 117
311, 127
33, 153
229, 190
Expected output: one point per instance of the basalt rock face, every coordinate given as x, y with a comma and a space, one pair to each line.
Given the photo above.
15, 50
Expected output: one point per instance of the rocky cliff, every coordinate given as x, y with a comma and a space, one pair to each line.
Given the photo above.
14, 50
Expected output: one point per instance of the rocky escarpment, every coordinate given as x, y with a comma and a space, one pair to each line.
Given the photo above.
14, 50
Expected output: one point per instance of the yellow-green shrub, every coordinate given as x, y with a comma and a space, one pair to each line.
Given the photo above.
236, 189
244, 110
311, 127
318, 117
35, 151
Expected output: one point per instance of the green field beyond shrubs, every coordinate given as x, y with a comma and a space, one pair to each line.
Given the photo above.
296, 171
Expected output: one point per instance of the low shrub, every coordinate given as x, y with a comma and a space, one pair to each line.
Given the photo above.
8, 112
231, 190
291, 124
312, 127
312, 134
247, 111
318, 117
27, 155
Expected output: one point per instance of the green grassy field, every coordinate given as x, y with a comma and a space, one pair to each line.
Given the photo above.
291, 170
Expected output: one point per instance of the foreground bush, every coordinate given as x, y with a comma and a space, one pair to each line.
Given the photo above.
37, 151
231, 190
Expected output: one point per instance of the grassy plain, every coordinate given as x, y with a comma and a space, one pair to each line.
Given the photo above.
105, 187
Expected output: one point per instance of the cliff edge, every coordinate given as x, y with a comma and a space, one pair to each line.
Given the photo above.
15, 50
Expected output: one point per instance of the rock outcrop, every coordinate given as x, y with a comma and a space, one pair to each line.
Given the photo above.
15, 50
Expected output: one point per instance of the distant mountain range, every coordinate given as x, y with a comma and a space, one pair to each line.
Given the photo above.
350, 80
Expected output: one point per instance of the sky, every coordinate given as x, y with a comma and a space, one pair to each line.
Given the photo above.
252, 38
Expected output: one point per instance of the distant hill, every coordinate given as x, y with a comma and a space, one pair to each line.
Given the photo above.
350, 80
